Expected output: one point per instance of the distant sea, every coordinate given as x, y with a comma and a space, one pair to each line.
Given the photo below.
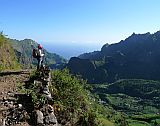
71, 49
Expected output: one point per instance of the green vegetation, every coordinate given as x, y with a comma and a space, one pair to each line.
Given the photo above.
137, 98
144, 120
136, 87
30, 89
76, 102
8, 59
76, 105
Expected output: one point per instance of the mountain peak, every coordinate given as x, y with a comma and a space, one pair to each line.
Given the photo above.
136, 37
157, 33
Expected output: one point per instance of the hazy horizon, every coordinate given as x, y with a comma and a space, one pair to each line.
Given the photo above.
71, 49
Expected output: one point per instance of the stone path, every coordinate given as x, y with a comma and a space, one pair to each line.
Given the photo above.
8, 88
13, 113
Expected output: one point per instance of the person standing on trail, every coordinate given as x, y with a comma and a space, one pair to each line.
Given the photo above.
37, 53
40, 56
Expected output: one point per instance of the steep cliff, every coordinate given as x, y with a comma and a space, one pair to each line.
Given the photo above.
8, 58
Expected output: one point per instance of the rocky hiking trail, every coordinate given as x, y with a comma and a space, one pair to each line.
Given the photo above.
8, 88
17, 109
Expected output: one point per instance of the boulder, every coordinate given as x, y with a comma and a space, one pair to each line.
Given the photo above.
50, 119
39, 117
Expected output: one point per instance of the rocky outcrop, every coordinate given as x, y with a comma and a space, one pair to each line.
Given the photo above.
88, 69
82, 67
45, 116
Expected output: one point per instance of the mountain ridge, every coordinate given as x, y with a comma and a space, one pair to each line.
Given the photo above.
136, 57
23, 50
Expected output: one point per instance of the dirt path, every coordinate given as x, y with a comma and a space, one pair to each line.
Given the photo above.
8, 83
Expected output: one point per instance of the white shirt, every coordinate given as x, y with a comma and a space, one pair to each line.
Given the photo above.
40, 52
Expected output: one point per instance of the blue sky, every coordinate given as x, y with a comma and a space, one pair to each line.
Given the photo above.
81, 21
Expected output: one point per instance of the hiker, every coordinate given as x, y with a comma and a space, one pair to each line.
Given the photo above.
37, 53
40, 56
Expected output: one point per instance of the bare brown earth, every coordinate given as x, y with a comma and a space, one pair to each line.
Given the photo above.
8, 87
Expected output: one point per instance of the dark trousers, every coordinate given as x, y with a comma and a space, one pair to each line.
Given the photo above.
40, 62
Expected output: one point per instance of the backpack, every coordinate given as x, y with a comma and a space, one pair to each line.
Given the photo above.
35, 53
